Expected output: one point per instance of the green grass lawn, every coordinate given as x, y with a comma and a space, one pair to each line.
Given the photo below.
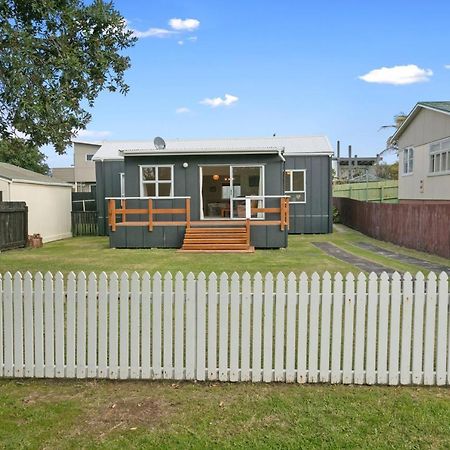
83, 414
92, 254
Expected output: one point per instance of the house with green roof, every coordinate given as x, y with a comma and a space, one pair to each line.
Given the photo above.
423, 143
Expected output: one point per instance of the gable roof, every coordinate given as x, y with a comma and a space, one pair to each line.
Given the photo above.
18, 174
114, 150
441, 107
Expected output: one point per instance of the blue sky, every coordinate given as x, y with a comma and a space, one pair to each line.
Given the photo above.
288, 67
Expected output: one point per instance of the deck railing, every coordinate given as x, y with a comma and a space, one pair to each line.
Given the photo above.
124, 211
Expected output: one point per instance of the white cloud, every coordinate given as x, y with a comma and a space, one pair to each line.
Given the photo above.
398, 75
218, 101
153, 32
182, 110
92, 134
447, 66
194, 39
184, 24
180, 42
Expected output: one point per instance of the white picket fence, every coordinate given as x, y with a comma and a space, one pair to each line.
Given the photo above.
372, 330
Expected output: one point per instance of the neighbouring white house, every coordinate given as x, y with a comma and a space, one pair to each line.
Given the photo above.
49, 200
423, 143
82, 174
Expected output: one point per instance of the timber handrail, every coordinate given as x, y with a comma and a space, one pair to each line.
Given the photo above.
149, 212
282, 210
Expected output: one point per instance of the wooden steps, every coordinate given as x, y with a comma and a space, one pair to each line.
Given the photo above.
209, 239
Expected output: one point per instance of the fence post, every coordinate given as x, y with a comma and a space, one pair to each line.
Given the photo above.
150, 214
188, 212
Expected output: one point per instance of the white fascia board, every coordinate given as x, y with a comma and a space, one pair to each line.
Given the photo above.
43, 183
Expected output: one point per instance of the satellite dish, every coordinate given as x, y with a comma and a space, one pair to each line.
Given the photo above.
160, 143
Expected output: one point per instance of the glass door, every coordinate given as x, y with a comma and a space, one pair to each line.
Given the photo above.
245, 181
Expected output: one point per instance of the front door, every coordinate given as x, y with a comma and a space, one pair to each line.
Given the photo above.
245, 181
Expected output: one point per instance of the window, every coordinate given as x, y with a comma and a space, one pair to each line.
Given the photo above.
122, 184
295, 185
156, 181
440, 156
89, 156
408, 160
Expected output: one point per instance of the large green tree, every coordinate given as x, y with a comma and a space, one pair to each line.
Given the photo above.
56, 56
22, 153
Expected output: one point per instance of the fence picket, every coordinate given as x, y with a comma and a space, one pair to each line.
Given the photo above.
245, 327
360, 328
268, 328
81, 326
234, 326
113, 326
430, 329
201, 327
102, 325
146, 326
156, 325
18, 325
8, 325
302, 336
257, 327
441, 354
212, 326
49, 326
382, 374
280, 306
28, 325
290, 327
135, 329
405, 353
191, 292
92, 326
179, 326
419, 304
349, 311
313, 350
371, 338
371, 330
167, 327
70, 327
336, 340
59, 325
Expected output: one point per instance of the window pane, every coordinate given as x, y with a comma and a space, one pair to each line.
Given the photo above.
300, 197
444, 162
437, 163
149, 190
299, 181
164, 173
432, 163
287, 180
448, 160
148, 173
164, 189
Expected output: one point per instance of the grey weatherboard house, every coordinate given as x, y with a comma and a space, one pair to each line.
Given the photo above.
145, 194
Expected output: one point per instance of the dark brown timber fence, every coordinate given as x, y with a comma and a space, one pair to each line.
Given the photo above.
424, 227
13, 225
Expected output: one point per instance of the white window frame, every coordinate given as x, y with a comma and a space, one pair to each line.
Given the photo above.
291, 190
441, 148
407, 161
89, 154
122, 184
156, 181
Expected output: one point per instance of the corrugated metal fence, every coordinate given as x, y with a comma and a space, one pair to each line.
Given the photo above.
424, 227
372, 330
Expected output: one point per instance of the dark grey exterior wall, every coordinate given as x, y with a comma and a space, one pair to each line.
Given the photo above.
107, 174
314, 216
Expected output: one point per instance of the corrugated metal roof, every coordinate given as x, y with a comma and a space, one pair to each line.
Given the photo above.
111, 150
11, 172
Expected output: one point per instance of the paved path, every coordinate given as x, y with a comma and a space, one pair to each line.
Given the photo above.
435, 267
362, 263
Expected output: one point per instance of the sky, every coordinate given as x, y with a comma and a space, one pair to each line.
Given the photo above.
205, 69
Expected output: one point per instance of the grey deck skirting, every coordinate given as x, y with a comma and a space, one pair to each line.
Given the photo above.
362, 263
404, 258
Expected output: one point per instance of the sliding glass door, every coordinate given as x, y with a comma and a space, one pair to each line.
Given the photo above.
246, 181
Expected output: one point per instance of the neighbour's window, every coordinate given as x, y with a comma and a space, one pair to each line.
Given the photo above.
89, 156
1, 196
295, 185
440, 156
122, 184
156, 181
408, 160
